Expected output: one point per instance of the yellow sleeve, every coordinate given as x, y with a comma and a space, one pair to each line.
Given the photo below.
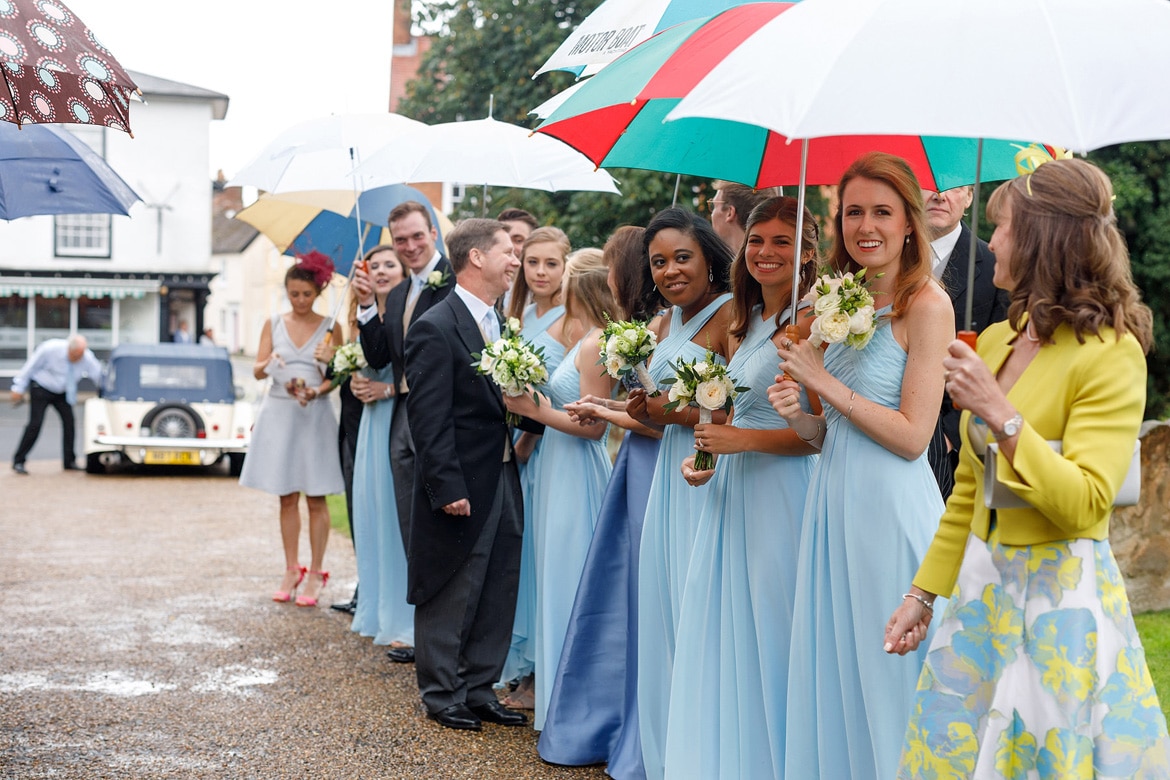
1105, 394
940, 565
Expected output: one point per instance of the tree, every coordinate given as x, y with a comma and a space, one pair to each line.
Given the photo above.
491, 48
1141, 184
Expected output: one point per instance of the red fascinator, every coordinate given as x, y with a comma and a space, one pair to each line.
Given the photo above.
319, 265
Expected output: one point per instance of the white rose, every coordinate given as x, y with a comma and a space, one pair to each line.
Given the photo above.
435, 278
678, 392
486, 361
653, 338
631, 335
499, 345
835, 326
613, 366
701, 368
815, 337
862, 320
510, 355
500, 373
611, 346
711, 394
827, 304
513, 325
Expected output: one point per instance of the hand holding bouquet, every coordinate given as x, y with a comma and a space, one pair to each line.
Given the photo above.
512, 363
707, 385
625, 348
844, 311
347, 359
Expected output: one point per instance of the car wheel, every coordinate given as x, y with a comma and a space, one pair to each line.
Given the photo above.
93, 464
235, 463
173, 422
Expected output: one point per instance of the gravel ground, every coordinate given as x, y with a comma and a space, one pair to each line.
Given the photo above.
138, 640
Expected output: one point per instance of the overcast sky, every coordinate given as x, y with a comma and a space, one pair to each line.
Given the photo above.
280, 61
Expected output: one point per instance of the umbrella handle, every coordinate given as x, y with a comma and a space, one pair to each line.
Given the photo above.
792, 333
968, 337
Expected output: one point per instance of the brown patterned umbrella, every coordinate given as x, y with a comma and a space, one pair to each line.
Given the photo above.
55, 70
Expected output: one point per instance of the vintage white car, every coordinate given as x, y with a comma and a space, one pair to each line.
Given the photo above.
168, 405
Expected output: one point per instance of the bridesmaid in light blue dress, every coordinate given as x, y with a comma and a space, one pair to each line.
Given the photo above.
690, 266
382, 611
728, 696
544, 325
873, 505
593, 715
569, 478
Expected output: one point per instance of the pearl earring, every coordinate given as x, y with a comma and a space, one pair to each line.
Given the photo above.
710, 275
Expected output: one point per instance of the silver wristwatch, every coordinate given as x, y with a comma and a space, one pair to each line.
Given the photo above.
1010, 428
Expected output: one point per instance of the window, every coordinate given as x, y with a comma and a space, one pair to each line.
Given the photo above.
83, 235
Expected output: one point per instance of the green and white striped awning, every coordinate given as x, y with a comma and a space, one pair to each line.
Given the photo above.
58, 287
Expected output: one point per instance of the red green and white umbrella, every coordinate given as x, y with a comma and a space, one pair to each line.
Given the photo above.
616, 119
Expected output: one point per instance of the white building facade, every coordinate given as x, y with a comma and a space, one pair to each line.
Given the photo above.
112, 278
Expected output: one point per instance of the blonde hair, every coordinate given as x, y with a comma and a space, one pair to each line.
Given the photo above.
543, 235
586, 287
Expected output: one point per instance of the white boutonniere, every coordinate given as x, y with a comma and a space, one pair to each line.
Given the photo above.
436, 279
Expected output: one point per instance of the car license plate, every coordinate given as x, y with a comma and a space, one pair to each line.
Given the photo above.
171, 458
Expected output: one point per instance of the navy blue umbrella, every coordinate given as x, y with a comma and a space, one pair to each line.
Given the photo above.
47, 170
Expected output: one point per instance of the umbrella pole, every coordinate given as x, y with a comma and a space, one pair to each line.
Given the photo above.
968, 335
329, 323
792, 331
483, 209
677, 181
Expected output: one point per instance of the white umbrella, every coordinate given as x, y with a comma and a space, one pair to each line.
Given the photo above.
1081, 74
619, 25
320, 154
487, 152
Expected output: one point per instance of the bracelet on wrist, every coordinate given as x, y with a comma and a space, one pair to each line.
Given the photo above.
816, 433
928, 604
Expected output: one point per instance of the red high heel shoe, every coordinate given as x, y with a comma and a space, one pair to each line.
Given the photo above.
311, 601
287, 596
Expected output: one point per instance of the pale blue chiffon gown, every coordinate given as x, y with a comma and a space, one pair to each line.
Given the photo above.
521, 658
568, 484
668, 533
382, 611
869, 518
728, 698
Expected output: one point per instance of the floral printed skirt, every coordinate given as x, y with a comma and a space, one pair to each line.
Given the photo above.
1036, 671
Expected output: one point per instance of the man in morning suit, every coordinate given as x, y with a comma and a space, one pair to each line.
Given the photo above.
429, 280
463, 550
950, 243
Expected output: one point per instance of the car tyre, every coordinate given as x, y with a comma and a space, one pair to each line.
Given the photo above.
235, 463
93, 464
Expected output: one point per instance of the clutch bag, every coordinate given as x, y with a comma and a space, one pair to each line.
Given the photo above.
997, 495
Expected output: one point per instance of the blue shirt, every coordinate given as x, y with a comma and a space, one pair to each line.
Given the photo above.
49, 368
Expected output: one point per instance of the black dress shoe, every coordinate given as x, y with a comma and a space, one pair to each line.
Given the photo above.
401, 655
348, 607
19, 468
457, 716
494, 712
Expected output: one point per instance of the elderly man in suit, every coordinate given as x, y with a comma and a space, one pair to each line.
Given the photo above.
463, 550
951, 248
429, 280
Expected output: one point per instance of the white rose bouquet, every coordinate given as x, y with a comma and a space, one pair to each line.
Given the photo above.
843, 307
512, 363
704, 384
347, 359
625, 347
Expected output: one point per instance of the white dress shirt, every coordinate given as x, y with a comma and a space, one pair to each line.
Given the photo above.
942, 248
50, 368
483, 313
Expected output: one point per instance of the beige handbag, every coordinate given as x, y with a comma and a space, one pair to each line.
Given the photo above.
997, 495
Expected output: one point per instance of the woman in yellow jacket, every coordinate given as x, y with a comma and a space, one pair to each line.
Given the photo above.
1036, 669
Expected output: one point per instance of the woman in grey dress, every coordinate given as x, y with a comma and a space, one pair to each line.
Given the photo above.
293, 427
